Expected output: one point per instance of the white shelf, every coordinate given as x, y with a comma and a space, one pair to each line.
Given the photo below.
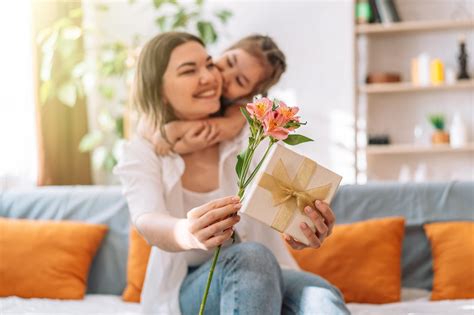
413, 149
413, 26
403, 87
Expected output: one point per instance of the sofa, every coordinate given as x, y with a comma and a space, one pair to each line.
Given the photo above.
419, 203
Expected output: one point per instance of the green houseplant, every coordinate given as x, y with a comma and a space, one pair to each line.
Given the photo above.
439, 135
61, 50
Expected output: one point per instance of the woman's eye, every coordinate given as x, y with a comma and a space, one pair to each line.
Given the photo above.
211, 65
191, 71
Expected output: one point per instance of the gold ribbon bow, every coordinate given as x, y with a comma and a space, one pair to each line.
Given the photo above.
290, 195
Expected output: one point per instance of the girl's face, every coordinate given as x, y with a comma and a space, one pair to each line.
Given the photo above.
241, 72
192, 84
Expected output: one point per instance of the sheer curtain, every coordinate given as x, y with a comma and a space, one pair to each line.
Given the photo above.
18, 154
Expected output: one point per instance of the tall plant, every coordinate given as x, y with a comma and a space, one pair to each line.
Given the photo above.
60, 45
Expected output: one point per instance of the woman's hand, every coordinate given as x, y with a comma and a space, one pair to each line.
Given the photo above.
323, 219
211, 224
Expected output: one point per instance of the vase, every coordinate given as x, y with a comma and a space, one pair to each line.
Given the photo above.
440, 137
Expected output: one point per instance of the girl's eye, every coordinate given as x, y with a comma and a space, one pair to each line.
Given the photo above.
239, 82
229, 63
211, 65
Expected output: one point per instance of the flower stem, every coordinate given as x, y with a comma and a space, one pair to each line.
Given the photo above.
209, 279
214, 261
258, 165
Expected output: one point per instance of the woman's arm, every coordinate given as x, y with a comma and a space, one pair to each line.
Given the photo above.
204, 228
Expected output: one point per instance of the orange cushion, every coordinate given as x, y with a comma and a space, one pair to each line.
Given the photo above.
47, 259
362, 259
138, 254
452, 247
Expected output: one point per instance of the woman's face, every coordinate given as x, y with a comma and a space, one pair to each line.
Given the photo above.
241, 72
191, 83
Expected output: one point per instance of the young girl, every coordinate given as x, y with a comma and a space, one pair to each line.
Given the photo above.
249, 67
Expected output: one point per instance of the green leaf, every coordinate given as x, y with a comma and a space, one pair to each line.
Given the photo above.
224, 15
296, 139
72, 32
90, 141
246, 115
119, 127
102, 7
206, 32
67, 94
161, 22
75, 13
45, 91
240, 163
109, 162
180, 19
107, 92
199, 2
158, 3
78, 70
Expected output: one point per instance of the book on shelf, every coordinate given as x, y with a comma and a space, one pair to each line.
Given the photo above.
375, 18
387, 11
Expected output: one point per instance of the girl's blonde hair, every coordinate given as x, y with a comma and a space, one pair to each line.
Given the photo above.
147, 87
270, 56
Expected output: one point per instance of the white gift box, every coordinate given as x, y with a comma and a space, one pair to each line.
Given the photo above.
284, 185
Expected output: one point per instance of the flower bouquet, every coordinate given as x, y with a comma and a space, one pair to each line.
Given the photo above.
271, 119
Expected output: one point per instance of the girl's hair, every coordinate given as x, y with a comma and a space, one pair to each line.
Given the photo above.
270, 56
147, 88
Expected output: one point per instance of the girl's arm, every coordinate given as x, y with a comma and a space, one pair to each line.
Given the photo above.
229, 126
175, 131
190, 136
215, 130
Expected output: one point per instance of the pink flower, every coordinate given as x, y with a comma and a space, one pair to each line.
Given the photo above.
288, 114
273, 125
260, 108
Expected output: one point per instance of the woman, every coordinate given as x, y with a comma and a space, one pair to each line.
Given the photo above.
176, 203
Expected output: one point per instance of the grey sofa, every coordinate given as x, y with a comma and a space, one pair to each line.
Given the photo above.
418, 203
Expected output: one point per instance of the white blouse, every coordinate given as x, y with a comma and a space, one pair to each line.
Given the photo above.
153, 183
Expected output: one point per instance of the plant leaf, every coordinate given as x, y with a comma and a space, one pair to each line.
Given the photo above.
90, 141
224, 15
161, 22
206, 32
107, 92
246, 115
180, 19
240, 162
296, 139
67, 94
45, 91
158, 3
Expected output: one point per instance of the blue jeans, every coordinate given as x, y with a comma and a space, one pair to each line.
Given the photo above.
248, 280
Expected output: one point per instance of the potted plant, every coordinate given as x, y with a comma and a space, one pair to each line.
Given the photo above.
439, 136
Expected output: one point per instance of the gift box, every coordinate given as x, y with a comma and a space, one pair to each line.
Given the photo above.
285, 184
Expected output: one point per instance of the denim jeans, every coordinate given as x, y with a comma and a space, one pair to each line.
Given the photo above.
248, 280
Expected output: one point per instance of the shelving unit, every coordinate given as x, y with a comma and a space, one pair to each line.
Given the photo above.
413, 149
382, 108
413, 26
402, 87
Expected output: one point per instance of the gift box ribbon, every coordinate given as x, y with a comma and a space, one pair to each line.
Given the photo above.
291, 195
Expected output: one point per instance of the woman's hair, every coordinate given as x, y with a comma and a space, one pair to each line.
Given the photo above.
270, 56
147, 88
